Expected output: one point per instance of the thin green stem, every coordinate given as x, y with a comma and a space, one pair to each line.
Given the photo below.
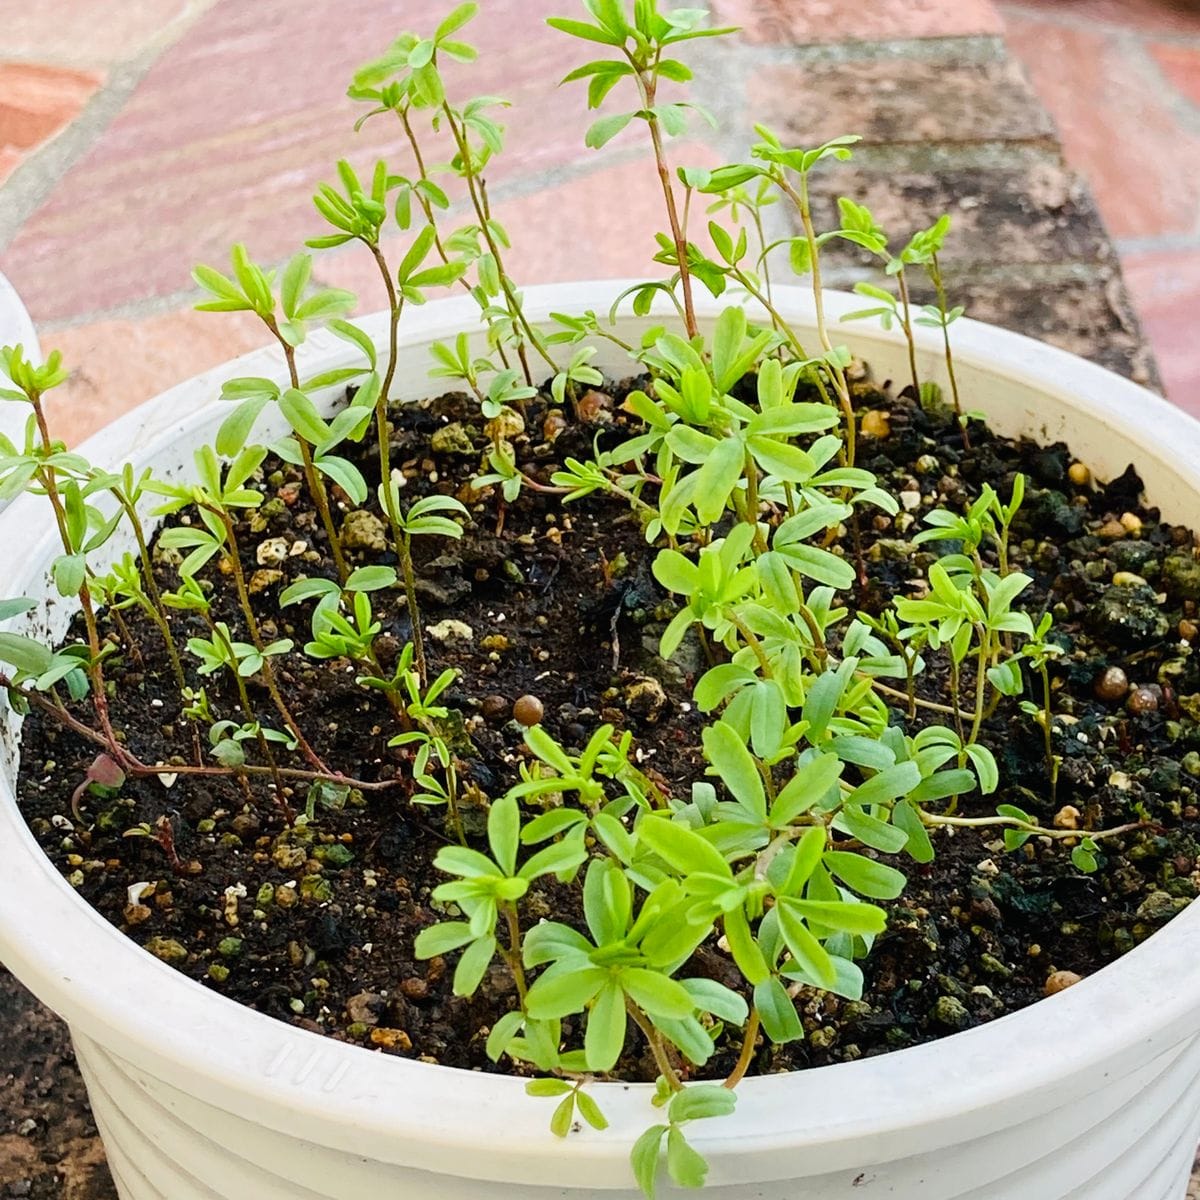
935, 272
234, 558
647, 83
906, 325
513, 954
654, 1040
312, 476
478, 202
749, 1038
801, 200
414, 612
751, 640
159, 614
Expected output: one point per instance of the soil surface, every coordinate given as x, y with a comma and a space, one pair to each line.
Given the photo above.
49, 1147
314, 923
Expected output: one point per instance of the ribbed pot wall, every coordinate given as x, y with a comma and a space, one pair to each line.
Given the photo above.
1093, 1094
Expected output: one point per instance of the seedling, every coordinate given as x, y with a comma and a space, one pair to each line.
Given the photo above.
741, 466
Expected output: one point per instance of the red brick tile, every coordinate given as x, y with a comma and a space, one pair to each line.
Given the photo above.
37, 102
225, 138
1142, 16
1115, 127
88, 32
1165, 286
115, 365
1181, 66
9, 159
806, 21
890, 101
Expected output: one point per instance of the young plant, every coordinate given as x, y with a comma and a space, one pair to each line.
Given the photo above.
288, 315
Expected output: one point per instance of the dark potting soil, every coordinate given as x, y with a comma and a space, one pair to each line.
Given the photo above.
315, 924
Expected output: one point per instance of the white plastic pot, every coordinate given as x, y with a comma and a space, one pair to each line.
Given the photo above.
1093, 1094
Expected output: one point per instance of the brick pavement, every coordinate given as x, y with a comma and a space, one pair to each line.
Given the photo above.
138, 137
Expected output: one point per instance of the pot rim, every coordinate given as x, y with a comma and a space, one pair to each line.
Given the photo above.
337, 1094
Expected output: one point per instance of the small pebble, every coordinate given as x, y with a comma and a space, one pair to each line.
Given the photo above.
1128, 579
391, 1039
528, 710
553, 425
1131, 522
875, 424
1060, 980
1188, 630
1067, 817
495, 709
1112, 684
1111, 531
272, 552
1142, 700
1079, 475
450, 631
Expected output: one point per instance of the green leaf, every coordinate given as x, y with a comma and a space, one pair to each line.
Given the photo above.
808, 786
1083, 859
504, 832
302, 416
811, 956
735, 767
25, 654
744, 948
887, 785
866, 876
605, 129
775, 1009
657, 993
683, 850
717, 478
556, 859
473, 965
860, 919
802, 861
442, 938
295, 277
560, 995
604, 1038
815, 563
416, 253
501, 1036
701, 1101
685, 1165
70, 571
918, 847
545, 1087
823, 698
589, 1110
644, 1159
345, 474
455, 20
560, 1122
235, 429
351, 333
675, 572
984, 763
15, 607
371, 579
717, 999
